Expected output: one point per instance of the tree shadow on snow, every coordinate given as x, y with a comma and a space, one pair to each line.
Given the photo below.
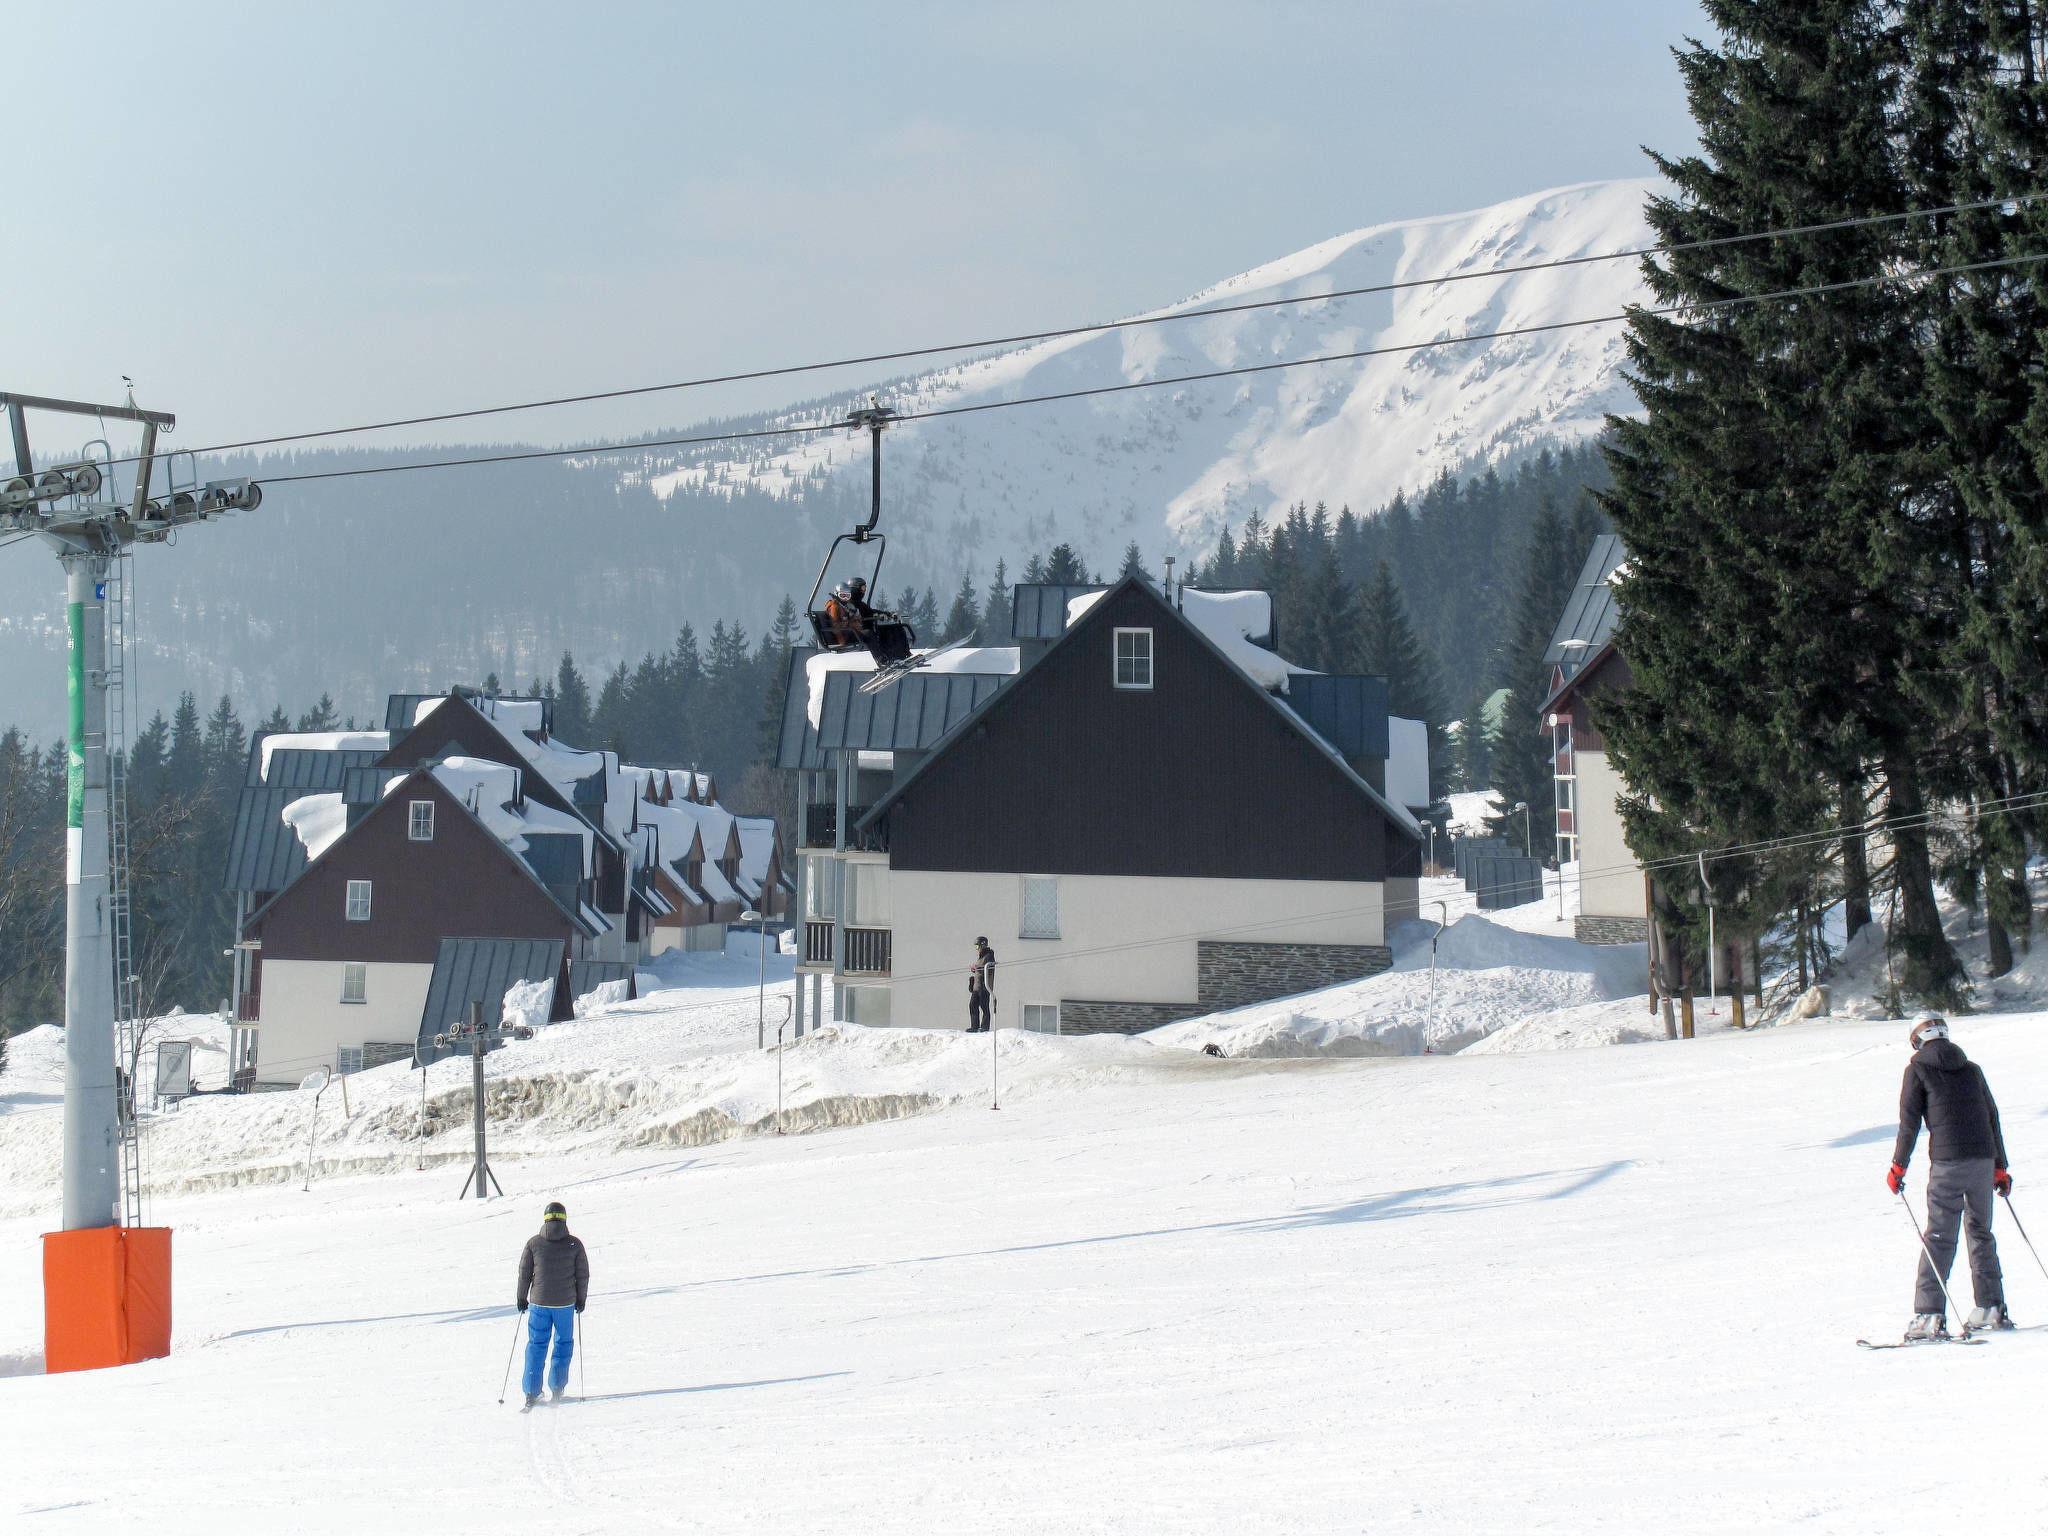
1864, 1138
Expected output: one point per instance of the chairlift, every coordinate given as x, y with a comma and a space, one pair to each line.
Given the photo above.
845, 623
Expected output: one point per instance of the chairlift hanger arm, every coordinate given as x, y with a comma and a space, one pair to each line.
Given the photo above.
85, 408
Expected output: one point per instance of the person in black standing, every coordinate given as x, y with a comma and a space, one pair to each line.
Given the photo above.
981, 986
1966, 1167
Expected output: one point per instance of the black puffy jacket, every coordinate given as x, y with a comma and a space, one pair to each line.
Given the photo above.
553, 1269
1947, 1090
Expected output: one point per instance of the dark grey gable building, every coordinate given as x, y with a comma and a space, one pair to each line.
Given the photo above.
1144, 821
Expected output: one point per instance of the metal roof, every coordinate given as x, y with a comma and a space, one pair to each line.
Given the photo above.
912, 714
398, 711
480, 971
1038, 609
585, 976
1589, 615
556, 857
1350, 713
309, 770
263, 853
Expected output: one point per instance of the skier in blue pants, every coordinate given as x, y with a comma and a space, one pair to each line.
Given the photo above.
554, 1284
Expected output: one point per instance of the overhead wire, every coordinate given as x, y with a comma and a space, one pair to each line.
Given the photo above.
597, 450
1103, 327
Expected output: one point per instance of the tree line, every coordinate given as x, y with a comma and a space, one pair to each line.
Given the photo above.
1836, 507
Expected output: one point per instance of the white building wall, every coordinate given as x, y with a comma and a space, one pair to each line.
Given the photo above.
1611, 881
305, 1021
1122, 938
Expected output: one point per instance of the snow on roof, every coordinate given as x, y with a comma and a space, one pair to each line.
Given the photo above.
492, 791
317, 821
514, 714
426, 707
995, 660
757, 848
323, 741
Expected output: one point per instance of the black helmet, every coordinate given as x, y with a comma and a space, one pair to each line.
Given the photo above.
858, 585
556, 1211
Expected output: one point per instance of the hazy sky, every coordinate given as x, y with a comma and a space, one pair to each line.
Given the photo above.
282, 217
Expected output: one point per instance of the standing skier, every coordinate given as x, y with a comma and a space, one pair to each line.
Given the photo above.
981, 986
554, 1276
1966, 1166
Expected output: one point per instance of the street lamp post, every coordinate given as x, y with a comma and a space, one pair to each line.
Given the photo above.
760, 922
1528, 841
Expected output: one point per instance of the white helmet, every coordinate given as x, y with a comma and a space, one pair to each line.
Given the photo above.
1931, 1027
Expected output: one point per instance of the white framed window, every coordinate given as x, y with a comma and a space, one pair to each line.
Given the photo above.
348, 1058
1038, 915
1042, 1017
359, 901
420, 824
355, 981
1133, 658
819, 888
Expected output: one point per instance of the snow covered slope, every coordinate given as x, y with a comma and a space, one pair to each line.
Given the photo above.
1168, 466
1597, 1291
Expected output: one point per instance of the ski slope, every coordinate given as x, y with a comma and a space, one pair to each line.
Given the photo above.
1588, 1290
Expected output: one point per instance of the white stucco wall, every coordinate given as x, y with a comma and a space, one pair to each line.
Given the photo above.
1611, 879
1122, 939
305, 1021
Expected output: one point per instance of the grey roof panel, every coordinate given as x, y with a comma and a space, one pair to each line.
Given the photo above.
398, 711
557, 857
1038, 609
587, 975
1350, 713
263, 853
480, 971
912, 714
1589, 614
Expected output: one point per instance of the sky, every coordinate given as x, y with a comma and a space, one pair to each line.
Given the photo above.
290, 217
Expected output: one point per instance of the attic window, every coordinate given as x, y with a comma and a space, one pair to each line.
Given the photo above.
420, 828
1133, 658
358, 909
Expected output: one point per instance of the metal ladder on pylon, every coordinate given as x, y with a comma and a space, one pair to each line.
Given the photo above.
127, 985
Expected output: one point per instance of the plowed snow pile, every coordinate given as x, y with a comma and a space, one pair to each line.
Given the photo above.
1489, 977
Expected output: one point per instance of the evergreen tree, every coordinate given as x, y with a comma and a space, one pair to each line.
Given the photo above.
1386, 647
963, 617
610, 720
995, 609
924, 616
320, 717
1133, 563
1520, 766
274, 722
185, 761
1065, 568
572, 703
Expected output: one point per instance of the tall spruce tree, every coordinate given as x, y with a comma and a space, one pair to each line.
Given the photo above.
1518, 755
1385, 645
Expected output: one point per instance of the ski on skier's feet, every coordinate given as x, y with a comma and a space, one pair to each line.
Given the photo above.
885, 676
1937, 1338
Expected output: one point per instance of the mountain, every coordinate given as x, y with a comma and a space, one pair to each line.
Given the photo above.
356, 587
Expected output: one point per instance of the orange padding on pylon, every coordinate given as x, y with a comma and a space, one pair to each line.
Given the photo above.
106, 1297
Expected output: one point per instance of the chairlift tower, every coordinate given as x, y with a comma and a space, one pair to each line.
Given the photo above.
74, 509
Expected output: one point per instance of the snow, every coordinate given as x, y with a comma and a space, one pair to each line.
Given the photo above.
528, 1003
521, 715
1597, 1291
1469, 810
322, 741
492, 791
1233, 621
1176, 462
981, 659
317, 821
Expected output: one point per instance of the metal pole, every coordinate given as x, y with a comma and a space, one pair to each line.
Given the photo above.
1443, 921
476, 1062
2015, 1215
518, 1323
994, 1087
761, 986
92, 1180
420, 1160
312, 1132
1713, 957
778, 1075
1932, 1268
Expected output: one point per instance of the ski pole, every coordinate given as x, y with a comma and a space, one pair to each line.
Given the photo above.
517, 1319
1933, 1268
2015, 1215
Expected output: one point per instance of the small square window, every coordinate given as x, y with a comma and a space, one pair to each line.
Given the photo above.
348, 1058
1039, 910
359, 901
420, 828
1133, 658
1044, 1018
355, 981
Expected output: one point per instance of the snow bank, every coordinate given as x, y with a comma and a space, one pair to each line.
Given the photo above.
1489, 977
322, 741
527, 1003
317, 821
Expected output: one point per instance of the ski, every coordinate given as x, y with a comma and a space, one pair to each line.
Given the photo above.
884, 676
1945, 1338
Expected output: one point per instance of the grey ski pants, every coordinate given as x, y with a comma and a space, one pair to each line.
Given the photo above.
1960, 1193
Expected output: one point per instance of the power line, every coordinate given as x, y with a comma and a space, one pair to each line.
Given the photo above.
593, 450
904, 354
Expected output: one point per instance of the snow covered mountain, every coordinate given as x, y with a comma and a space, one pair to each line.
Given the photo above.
1170, 465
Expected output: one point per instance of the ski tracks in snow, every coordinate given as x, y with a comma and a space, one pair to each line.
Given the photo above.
554, 1467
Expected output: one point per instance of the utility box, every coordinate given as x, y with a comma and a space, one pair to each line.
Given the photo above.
1506, 881
106, 1297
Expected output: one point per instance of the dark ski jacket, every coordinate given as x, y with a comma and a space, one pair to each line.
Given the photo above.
981, 976
1947, 1090
553, 1269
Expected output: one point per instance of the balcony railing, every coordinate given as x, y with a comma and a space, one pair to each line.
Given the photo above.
817, 942
249, 1009
821, 822
867, 951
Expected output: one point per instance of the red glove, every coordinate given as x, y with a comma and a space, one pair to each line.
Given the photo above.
2002, 1182
1895, 1180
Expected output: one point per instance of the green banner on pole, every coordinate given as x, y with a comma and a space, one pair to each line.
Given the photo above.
75, 811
